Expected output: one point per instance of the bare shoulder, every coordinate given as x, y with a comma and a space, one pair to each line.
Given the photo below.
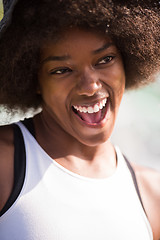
6, 139
150, 178
149, 186
6, 162
6, 133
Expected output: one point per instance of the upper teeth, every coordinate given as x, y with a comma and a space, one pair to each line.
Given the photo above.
92, 109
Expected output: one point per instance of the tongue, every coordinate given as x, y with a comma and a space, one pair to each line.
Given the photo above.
91, 117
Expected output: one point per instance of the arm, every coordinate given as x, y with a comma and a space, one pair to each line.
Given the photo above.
6, 163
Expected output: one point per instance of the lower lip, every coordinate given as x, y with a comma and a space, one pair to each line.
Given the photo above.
101, 123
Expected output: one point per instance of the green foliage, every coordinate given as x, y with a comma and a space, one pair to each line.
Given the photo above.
1, 10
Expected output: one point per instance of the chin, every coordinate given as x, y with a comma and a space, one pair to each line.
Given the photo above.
95, 140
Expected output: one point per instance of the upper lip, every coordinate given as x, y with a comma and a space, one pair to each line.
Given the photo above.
91, 102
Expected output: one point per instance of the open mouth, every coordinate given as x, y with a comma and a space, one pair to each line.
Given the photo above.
92, 114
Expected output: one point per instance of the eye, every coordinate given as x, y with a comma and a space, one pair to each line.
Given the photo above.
60, 71
105, 60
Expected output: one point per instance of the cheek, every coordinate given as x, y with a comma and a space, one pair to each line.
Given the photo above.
48, 93
115, 79
118, 90
54, 96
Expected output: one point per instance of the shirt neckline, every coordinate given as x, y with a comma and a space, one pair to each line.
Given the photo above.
69, 172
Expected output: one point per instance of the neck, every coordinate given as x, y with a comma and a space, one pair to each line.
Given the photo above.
96, 161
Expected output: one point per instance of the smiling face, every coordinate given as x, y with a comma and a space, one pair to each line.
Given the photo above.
82, 81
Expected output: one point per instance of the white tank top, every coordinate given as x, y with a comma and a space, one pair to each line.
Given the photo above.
57, 204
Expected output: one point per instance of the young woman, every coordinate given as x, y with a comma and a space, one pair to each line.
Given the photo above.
60, 177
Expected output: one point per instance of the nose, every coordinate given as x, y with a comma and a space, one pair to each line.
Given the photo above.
88, 82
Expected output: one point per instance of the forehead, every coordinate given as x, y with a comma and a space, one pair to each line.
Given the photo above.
76, 38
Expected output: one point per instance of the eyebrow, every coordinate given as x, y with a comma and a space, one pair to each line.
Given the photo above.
67, 57
104, 47
56, 58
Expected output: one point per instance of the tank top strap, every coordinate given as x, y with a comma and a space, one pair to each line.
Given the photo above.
19, 168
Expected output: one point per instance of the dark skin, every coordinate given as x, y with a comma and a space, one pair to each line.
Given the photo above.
81, 70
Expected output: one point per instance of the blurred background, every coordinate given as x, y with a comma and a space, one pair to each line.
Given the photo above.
137, 129
1, 9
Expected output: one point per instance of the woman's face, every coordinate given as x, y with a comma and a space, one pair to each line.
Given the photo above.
82, 81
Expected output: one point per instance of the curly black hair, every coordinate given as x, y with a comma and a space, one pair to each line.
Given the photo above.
133, 25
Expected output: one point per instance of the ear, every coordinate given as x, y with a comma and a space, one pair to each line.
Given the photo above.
38, 90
